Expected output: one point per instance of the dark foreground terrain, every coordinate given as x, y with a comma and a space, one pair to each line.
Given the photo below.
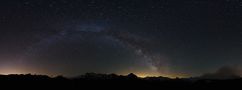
112, 81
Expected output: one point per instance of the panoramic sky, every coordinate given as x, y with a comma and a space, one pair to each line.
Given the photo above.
174, 38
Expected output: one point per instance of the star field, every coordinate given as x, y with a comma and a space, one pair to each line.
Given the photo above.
174, 38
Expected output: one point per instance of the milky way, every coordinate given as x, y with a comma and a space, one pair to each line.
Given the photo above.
147, 37
155, 61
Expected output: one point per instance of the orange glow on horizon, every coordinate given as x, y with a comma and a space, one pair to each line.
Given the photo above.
11, 71
15, 70
157, 74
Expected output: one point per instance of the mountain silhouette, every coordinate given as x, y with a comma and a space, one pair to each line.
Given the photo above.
114, 81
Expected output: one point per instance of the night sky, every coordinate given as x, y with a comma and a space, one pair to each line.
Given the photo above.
174, 38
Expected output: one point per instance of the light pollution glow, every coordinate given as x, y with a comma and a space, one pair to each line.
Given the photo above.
13, 70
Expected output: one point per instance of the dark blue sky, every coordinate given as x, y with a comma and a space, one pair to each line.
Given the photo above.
147, 37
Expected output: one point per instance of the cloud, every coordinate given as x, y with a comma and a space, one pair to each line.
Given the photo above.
226, 72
